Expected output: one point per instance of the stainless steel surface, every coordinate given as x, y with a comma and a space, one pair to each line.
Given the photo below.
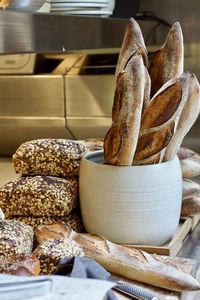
89, 95
48, 33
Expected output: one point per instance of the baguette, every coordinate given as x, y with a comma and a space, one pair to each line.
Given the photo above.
130, 263
191, 206
160, 119
121, 140
167, 63
133, 41
190, 188
184, 153
188, 116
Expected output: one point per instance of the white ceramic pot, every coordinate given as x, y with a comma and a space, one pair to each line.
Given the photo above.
130, 205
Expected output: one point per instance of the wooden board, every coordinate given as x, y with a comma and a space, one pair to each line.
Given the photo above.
175, 244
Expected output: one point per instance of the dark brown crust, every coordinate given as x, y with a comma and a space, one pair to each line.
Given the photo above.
121, 140
167, 63
162, 107
151, 143
53, 232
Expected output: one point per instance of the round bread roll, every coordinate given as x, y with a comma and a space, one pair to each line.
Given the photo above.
52, 157
39, 196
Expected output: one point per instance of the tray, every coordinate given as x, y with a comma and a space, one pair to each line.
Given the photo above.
172, 247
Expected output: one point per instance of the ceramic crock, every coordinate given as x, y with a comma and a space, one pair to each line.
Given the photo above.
130, 205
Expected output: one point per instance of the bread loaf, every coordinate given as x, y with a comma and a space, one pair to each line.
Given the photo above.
121, 140
187, 118
160, 119
93, 144
53, 157
130, 263
21, 265
191, 206
73, 220
39, 196
190, 162
190, 188
167, 63
133, 41
15, 238
50, 252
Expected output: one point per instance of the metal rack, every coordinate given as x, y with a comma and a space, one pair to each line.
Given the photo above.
50, 33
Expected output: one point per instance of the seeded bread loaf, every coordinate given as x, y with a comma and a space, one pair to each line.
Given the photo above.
50, 252
15, 238
39, 196
21, 265
72, 220
53, 157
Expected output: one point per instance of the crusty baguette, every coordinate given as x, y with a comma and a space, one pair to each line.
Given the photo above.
160, 119
188, 116
167, 63
130, 263
133, 41
191, 206
190, 162
190, 188
121, 140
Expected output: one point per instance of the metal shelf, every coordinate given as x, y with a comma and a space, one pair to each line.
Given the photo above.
50, 33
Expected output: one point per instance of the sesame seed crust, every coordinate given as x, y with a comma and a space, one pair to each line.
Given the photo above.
71, 220
51, 251
15, 238
53, 157
39, 196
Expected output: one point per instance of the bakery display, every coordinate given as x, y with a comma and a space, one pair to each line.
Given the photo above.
151, 118
129, 263
52, 157
15, 238
39, 196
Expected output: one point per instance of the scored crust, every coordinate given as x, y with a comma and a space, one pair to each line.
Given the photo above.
121, 140
167, 63
133, 41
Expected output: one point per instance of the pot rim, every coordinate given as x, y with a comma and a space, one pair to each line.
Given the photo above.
91, 155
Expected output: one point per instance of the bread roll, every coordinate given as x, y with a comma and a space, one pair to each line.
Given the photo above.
160, 119
187, 118
190, 162
167, 63
21, 265
190, 188
16, 238
191, 206
39, 196
52, 157
51, 251
121, 140
133, 42
130, 263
